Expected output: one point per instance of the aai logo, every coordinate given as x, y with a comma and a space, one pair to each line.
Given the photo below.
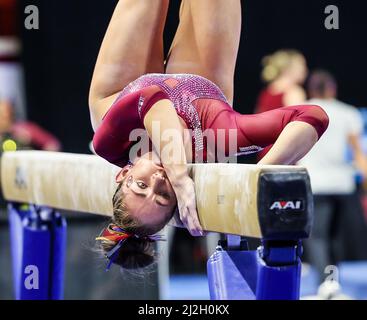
287, 205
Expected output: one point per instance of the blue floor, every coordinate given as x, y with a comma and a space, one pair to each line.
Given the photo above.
353, 279
189, 287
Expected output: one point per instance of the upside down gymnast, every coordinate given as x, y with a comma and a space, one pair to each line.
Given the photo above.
152, 183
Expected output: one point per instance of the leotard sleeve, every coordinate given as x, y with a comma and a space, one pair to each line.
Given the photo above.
111, 140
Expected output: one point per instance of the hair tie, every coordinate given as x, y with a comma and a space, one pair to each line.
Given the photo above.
114, 233
120, 235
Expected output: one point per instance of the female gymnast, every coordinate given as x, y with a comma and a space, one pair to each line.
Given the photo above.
128, 100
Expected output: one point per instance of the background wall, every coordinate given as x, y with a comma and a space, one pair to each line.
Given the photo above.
59, 58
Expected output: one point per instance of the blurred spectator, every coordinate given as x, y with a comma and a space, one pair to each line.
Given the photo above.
339, 231
11, 72
23, 134
284, 72
13, 129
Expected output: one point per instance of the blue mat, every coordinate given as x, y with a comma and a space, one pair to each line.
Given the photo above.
353, 279
189, 287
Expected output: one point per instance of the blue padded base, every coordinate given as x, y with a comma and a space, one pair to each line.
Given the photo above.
243, 275
232, 275
38, 255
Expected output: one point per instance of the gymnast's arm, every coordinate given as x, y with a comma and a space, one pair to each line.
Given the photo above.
294, 142
173, 158
302, 126
292, 131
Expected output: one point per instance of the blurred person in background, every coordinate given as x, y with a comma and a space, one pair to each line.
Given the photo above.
15, 132
21, 135
339, 229
11, 71
284, 72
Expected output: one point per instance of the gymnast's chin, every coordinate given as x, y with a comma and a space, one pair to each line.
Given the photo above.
144, 202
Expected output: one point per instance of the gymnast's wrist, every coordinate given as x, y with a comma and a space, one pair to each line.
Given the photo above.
177, 175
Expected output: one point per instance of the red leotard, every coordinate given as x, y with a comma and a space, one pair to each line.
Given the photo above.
202, 106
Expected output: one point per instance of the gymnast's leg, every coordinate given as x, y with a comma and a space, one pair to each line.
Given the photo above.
132, 46
207, 41
292, 130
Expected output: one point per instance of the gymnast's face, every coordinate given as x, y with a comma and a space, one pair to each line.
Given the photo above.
149, 195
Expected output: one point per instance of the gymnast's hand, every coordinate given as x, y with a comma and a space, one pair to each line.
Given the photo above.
186, 202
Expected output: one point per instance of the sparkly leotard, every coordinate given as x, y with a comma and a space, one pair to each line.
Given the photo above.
203, 107
182, 90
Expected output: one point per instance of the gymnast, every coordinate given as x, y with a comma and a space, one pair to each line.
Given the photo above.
130, 93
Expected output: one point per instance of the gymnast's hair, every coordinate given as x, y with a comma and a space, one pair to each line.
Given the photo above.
136, 252
275, 64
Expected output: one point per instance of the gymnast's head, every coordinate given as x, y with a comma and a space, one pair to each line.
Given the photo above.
143, 204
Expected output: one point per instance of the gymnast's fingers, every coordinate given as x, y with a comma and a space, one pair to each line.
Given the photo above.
192, 228
196, 229
189, 221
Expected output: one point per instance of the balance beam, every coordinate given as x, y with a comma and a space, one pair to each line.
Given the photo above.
227, 194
